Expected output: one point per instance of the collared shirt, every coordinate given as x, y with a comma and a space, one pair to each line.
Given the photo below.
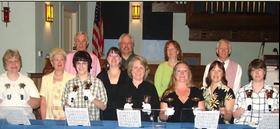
70, 68
97, 89
15, 94
237, 81
259, 103
213, 101
14, 90
53, 94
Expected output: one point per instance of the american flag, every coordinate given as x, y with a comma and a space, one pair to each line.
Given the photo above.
98, 39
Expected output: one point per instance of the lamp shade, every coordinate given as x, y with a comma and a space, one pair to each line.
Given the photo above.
49, 13
136, 11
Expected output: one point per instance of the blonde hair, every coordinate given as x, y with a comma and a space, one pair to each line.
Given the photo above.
171, 86
143, 62
57, 51
9, 54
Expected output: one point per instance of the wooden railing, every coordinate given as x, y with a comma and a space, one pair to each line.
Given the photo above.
236, 7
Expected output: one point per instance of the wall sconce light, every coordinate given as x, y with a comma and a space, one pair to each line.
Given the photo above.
136, 11
49, 12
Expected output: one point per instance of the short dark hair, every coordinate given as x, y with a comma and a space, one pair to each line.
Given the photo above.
82, 56
256, 64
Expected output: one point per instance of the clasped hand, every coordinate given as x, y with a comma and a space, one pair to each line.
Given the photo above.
128, 105
147, 108
169, 111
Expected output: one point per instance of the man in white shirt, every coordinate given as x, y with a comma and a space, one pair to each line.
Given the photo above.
233, 69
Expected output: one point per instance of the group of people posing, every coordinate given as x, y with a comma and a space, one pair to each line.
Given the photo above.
78, 81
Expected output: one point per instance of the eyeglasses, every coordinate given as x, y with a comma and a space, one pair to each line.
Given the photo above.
13, 61
81, 63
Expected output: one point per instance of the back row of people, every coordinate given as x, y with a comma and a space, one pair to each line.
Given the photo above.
86, 91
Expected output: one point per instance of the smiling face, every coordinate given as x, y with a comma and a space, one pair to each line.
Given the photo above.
126, 45
114, 59
138, 71
81, 42
181, 73
82, 67
58, 62
13, 65
257, 74
216, 74
172, 51
223, 50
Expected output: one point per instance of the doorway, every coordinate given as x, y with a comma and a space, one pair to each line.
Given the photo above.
69, 29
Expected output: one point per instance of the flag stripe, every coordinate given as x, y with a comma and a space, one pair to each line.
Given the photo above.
98, 39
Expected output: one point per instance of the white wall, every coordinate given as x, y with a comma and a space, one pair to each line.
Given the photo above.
20, 34
29, 32
47, 33
90, 18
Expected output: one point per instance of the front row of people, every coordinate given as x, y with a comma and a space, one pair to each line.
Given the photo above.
115, 88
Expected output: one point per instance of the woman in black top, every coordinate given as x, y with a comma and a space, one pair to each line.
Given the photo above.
138, 88
114, 79
217, 95
180, 96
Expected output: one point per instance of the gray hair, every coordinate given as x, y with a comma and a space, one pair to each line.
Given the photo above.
224, 41
124, 35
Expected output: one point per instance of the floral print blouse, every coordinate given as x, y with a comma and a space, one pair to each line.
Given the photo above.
217, 99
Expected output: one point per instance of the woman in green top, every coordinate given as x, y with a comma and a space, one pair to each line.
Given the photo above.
172, 55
